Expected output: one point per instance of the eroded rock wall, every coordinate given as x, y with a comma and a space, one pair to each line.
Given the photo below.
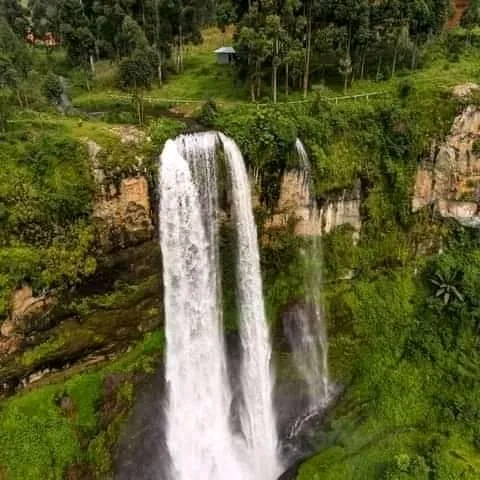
312, 217
450, 178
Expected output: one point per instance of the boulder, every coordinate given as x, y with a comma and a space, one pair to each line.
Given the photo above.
466, 90
27, 312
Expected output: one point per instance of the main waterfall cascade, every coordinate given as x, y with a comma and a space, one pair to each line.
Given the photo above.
200, 439
198, 431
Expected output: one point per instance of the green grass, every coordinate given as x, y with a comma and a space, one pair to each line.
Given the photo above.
395, 455
39, 440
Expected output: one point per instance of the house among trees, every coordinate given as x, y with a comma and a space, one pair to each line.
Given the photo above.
48, 40
225, 55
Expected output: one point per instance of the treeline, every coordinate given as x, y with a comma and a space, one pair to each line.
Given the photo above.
93, 29
286, 42
281, 45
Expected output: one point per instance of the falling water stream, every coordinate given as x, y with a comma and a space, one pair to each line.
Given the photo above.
198, 432
304, 324
258, 420
200, 440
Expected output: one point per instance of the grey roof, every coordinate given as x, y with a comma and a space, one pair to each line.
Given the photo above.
225, 50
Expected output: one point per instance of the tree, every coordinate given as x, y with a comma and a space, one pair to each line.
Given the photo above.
77, 36
15, 62
275, 32
471, 17
15, 15
44, 17
52, 88
225, 15
345, 69
136, 73
308, 50
186, 27
132, 37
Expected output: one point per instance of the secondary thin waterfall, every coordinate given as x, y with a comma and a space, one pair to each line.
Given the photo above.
304, 323
199, 436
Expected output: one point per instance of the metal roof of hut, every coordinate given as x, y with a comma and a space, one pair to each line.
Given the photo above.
225, 50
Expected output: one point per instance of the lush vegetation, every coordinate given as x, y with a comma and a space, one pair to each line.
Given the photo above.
57, 427
404, 328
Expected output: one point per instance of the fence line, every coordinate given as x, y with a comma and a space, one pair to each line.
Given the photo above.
153, 100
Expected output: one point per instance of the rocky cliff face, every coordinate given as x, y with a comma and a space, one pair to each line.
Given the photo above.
122, 212
314, 218
49, 332
450, 178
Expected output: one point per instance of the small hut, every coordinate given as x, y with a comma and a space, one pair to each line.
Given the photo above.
225, 55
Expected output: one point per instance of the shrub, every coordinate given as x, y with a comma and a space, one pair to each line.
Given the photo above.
405, 88
52, 88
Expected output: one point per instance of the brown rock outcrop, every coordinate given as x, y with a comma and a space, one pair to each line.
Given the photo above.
123, 217
27, 312
450, 179
295, 204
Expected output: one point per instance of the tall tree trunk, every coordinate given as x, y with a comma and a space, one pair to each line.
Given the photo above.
97, 50
144, 21
92, 65
394, 63
275, 71
160, 68
286, 78
181, 49
158, 43
308, 52
362, 68
414, 56
379, 66
258, 80
19, 97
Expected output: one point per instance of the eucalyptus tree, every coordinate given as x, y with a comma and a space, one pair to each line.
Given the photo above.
16, 15
77, 36
15, 63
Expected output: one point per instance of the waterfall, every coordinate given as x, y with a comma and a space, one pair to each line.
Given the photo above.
200, 440
304, 323
198, 431
258, 419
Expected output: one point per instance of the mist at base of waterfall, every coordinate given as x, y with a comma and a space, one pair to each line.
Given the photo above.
142, 452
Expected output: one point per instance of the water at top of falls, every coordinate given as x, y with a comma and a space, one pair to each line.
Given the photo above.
302, 154
305, 167
257, 417
199, 438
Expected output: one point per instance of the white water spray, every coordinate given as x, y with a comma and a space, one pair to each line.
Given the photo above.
199, 437
257, 418
198, 431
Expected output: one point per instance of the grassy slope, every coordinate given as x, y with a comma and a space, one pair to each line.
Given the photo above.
203, 79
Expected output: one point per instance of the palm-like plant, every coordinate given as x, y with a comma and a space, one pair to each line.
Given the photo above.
446, 288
